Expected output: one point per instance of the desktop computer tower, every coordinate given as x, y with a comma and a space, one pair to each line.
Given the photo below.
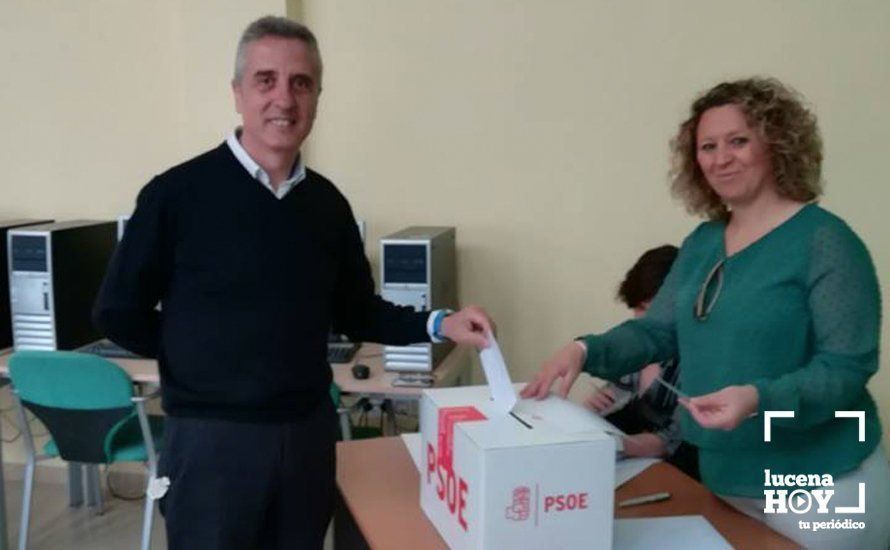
417, 269
5, 315
55, 271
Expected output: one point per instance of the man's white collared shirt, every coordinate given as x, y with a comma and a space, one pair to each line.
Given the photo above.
256, 171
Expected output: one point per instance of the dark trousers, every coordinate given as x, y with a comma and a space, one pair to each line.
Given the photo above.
238, 485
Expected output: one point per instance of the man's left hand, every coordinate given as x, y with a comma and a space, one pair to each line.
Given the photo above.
471, 325
724, 409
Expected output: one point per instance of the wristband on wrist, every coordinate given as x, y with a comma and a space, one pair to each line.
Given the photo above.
437, 324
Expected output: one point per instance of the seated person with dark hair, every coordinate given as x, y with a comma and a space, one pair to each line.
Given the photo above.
638, 404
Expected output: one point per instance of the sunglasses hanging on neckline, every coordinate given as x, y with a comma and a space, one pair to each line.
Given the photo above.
703, 307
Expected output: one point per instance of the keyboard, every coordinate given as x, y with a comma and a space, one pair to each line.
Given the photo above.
414, 380
107, 348
341, 352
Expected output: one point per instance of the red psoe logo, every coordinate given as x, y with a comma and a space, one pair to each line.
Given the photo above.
451, 488
520, 508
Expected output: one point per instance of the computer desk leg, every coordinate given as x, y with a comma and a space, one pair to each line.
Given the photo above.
388, 407
345, 427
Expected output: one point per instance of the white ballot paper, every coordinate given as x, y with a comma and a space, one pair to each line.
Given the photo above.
667, 533
625, 468
502, 390
414, 444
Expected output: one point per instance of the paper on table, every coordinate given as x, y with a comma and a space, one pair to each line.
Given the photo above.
413, 443
667, 533
629, 468
502, 390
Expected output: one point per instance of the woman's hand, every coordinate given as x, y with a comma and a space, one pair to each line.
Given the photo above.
724, 409
644, 444
565, 363
601, 400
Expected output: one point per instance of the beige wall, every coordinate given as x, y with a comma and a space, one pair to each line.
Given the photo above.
100, 95
539, 129
86, 92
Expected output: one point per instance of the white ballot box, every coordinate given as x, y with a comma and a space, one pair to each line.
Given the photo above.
541, 476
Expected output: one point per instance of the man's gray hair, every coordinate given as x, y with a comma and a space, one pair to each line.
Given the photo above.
272, 25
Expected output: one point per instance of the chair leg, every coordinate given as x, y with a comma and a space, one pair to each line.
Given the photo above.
30, 462
75, 484
345, 426
94, 489
26, 503
147, 520
4, 538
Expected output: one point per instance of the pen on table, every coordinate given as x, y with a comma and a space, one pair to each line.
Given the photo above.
645, 499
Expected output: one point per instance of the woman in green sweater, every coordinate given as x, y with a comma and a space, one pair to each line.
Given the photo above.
773, 305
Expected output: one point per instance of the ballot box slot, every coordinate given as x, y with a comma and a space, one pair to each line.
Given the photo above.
521, 421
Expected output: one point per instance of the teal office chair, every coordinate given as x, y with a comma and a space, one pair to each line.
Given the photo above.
87, 404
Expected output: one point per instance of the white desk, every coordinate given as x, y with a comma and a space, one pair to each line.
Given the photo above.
142, 371
378, 389
449, 372
379, 383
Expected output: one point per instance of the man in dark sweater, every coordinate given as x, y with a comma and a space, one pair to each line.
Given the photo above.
254, 258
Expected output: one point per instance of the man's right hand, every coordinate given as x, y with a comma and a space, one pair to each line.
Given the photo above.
565, 363
602, 399
471, 326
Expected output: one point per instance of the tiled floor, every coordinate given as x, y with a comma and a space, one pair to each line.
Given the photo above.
54, 525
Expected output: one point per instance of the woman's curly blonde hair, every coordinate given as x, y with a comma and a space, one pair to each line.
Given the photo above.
782, 120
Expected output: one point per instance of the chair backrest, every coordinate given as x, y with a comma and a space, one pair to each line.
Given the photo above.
78, 397
336, 394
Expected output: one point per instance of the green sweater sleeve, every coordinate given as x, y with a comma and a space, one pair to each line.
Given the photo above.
634, 344
845, 305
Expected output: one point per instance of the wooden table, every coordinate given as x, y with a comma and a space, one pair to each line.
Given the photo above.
379, 501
